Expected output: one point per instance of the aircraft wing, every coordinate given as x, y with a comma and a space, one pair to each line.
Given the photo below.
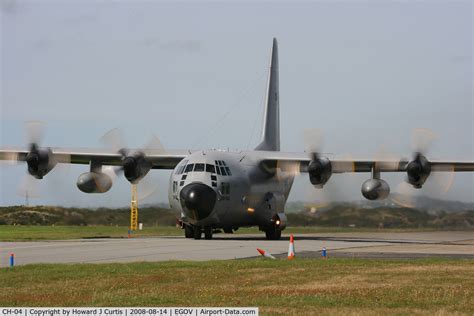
270, 159
159, 159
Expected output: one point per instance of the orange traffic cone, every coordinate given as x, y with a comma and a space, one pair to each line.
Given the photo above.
291, 248
265, 254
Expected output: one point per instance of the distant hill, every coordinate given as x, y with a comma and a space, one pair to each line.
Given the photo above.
428, 212
382, 217
335, 215
54, 215
422, 203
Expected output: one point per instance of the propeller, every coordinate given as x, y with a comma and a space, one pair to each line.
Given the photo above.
319, 167
289, 169
437, 184
40, 161
422, 140
435, 180
286, 169
34, 132
135, 165
113, 139
28, 187
313, 140
322, 193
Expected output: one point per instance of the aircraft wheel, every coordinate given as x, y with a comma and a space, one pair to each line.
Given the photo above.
273, 234
207, 233
277, 234
188, 231
197, 232
228, 230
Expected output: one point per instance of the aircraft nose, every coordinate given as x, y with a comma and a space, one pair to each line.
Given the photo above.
197, 200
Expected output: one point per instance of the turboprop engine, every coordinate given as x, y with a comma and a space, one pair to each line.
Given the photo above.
135, 167
319, 170
418, 171
40, 161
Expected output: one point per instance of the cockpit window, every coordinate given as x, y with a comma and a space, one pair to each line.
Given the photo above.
180, 167
210, 168
189, 167
227, 169
199, 167
223, 171
218, 170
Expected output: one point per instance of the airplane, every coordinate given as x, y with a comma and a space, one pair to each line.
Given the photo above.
225, 190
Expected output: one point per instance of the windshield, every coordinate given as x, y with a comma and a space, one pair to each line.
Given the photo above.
199, 167
210, 168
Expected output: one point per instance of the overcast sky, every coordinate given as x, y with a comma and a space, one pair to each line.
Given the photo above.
366, 73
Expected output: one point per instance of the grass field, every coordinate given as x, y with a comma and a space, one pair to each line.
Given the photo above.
18, 233
301, 286
26, 233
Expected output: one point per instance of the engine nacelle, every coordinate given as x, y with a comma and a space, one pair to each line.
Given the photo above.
94, 182
418, 171
375, 189
40, 161
320, 170
135, 167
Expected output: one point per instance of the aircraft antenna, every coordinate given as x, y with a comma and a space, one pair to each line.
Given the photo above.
232, 107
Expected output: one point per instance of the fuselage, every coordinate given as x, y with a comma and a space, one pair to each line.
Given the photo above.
221, 189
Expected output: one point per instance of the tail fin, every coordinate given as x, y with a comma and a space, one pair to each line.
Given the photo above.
271, 119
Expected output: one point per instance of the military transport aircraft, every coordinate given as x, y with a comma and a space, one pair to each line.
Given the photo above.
214, 189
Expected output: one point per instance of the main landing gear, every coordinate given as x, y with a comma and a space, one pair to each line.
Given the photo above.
188, 231
195, 232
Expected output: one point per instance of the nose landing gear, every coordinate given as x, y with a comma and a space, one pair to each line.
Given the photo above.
208, 233
273, 230
197, 232
273, 233
188, 231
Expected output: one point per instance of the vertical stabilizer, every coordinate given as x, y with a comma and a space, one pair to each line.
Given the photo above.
271, 118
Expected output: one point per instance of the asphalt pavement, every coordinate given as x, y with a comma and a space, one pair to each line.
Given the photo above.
224, 247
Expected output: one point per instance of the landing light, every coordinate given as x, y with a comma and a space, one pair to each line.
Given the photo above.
250, 210
277, 222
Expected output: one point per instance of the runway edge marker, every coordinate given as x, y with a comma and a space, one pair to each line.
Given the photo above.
12, 260
291, 248
265, 254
